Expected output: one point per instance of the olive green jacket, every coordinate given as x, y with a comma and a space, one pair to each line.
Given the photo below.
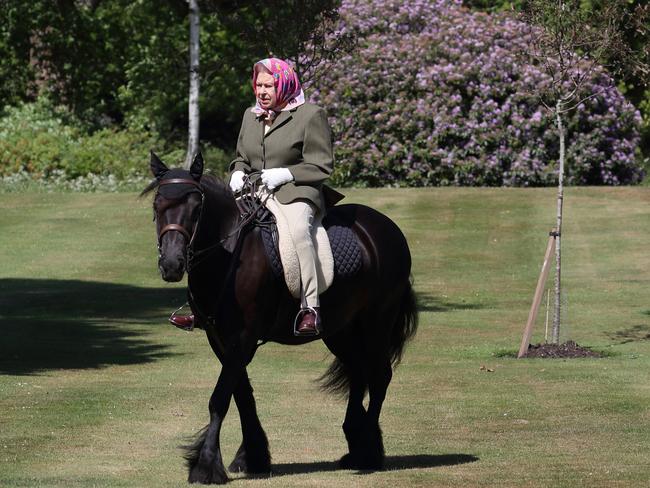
299, 140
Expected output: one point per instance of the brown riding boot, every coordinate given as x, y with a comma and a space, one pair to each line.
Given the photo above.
185, 322
309, 324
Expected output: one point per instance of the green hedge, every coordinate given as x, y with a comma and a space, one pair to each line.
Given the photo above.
43, 141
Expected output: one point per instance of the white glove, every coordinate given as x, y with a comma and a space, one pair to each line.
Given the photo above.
237, 181
276, 177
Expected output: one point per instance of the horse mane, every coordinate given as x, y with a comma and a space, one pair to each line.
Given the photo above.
214, 184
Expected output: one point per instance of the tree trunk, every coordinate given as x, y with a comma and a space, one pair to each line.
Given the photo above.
555, 336
193, 109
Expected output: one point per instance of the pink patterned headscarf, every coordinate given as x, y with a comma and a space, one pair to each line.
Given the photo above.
287, 86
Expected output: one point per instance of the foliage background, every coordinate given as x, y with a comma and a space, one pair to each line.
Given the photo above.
633, 85
438, 95
107, 79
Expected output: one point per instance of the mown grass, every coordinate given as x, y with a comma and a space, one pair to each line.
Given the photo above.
97, 390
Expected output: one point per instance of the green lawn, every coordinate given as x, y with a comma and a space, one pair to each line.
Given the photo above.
97, 390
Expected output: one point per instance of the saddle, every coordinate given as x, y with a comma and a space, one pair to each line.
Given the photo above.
337, 247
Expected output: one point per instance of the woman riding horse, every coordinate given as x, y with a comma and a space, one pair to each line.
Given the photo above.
289, 141
368, 316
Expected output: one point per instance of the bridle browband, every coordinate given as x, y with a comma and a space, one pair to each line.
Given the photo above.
185, 181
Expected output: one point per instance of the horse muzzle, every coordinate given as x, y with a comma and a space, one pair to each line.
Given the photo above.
171, 269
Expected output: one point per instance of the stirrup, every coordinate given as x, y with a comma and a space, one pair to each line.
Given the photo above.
298, 319
173, 316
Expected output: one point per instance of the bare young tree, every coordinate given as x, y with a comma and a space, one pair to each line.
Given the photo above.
193, 105
574, 41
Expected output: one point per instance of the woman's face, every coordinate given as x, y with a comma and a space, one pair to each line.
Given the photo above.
265, 90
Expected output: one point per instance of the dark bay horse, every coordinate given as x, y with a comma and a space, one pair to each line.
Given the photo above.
237, 299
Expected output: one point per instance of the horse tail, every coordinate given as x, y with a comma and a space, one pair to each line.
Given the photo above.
336, 380
405, 326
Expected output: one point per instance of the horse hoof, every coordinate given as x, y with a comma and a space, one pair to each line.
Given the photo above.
238, 465
347, 462
362, 464
212, 476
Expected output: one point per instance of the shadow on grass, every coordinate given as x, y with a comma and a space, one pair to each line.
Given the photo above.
640, 332
506, 353
392, 463
429, 303
70, 324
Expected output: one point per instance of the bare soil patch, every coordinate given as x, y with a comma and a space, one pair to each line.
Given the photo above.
568, 349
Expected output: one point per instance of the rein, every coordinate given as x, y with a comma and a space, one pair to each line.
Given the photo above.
252, 209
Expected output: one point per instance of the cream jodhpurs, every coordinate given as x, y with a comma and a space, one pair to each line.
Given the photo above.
300, 216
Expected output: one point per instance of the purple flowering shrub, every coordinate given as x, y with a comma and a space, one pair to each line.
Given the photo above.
437, 95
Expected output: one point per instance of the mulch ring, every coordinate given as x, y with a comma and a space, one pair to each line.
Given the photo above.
567, 350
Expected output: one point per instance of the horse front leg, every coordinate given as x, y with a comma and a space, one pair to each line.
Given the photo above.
253, 455
205, 462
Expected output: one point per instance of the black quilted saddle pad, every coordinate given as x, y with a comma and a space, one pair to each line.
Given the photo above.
345, 246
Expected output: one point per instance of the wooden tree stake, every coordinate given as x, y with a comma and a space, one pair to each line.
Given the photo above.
548, 302
537, 299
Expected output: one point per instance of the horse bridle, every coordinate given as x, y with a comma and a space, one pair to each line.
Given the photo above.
189, 238
247, 210
248, 207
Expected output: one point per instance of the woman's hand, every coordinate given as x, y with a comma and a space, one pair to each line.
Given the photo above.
237, 181
275, 177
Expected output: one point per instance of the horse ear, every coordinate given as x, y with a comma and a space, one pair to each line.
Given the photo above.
196, 170
158, 168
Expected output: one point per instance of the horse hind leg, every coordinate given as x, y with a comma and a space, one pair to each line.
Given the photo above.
355, 420
379, 337
361, 428
380, 375
385, 334
346, 376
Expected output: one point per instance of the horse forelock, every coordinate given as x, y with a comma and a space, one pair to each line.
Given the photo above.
150, 187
